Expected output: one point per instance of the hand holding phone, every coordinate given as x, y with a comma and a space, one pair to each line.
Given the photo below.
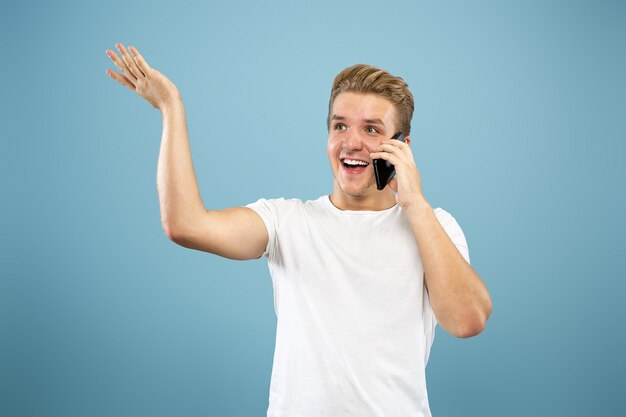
384, 170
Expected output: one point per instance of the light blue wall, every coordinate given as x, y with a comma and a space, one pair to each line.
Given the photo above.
519, 132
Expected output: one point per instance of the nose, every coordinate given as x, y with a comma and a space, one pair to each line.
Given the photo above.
352, 141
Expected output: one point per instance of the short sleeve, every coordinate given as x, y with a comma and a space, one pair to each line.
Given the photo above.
454, 231
266, 209
273, 212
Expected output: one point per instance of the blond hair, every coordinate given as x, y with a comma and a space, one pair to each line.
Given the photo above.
366, 79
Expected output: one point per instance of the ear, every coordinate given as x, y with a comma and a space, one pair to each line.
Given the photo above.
407, 140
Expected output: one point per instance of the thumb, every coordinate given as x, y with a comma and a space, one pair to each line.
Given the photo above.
393, 184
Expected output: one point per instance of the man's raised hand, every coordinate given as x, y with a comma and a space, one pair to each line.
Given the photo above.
138, 76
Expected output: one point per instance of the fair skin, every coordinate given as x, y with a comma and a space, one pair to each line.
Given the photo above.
358, 124
359, 131
235, 233
360, 128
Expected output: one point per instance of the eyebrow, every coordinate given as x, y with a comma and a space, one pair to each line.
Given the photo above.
371, 121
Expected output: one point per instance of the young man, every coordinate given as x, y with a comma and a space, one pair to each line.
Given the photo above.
361, 277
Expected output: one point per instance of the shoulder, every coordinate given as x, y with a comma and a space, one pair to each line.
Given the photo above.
283, 207
447, 220
453, 230
442, 214
276, 201
288, 203
449, 223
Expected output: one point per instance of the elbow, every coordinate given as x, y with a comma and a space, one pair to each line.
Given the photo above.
468, 330
181, 237
474, 324
172, 233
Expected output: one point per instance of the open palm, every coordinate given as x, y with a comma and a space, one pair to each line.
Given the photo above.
138, 76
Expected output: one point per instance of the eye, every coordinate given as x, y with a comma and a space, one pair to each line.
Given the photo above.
340, 126
371, 129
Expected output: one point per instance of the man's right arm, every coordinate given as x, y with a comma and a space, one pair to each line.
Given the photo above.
235, 233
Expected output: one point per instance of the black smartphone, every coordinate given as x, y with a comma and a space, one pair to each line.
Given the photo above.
384, 170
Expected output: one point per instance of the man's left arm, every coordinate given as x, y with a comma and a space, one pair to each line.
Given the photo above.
458, 296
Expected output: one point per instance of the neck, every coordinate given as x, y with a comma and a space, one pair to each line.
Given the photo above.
374, 201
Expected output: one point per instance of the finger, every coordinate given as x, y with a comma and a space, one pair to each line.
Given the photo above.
129, 61
396, 143
404, 154
388, 147
387, 156
119, 63
401, 146
121, 79
141, 63
393, 184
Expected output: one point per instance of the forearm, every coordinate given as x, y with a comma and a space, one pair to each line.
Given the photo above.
179, 195
458, 296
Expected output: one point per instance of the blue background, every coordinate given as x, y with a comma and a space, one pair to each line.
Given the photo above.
519, 131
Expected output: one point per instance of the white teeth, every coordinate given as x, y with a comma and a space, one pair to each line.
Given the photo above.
354, 162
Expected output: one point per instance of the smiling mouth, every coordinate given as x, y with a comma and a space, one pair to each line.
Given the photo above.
354, 164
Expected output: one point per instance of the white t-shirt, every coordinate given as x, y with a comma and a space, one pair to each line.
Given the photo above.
354, 322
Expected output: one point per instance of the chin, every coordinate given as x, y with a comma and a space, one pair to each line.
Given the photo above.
356, 191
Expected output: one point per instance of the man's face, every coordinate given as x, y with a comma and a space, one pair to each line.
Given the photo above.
358, 123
